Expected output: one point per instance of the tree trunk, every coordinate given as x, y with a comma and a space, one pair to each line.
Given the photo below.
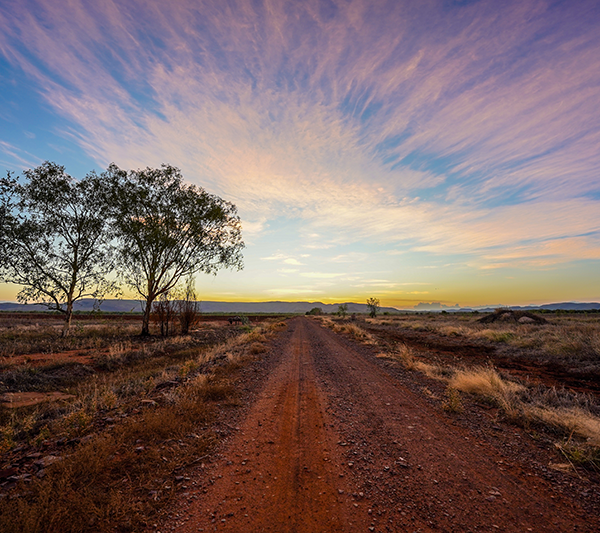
146, 319
68, 317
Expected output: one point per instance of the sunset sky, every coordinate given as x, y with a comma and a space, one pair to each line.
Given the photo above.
415, 151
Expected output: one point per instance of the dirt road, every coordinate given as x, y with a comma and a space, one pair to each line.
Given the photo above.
335, 443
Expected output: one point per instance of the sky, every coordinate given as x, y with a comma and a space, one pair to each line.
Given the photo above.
408, 150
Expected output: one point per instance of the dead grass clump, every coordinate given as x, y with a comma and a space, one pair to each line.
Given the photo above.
257, 347
452, 403
518, 403
485, 381
326, 322
570, 420
256, 335
356, 332
214, 390
433, 371
452, 331
579, 455
189, 366
488, 383
277, 326
405, 355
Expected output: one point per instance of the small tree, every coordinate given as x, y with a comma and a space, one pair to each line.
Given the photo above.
373, 305
188, 308
167, 230
315, 311
342, 310
53, 239
164, 310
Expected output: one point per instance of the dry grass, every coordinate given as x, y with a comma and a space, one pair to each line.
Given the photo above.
25, 339
519, 404
128, 374
117, 479
120, 477
488, 383
406, 355
353, 330
452, 403
569, 339
572, 420
573, 341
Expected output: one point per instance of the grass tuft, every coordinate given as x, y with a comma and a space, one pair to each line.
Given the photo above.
452, 403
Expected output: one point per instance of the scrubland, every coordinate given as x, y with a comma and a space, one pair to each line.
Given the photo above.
134, 413
544, 377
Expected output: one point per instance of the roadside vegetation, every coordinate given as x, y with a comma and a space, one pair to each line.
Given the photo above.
63, 239
110, 454
568, 339
566, 344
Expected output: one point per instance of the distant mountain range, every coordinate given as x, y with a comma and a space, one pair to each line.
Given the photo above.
135, 306
563, 306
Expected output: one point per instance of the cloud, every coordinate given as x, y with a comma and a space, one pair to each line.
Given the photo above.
17, 155
274, 257
318, 246
321, 275
352, 257
443, 130
292, 261
284, 259
294, 291
254, 227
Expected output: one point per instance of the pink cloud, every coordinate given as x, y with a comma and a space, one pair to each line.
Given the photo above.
271, 108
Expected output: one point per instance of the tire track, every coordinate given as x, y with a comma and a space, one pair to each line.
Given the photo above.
333, 443
280, 472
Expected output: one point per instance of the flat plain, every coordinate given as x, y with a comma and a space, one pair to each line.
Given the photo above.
398, 423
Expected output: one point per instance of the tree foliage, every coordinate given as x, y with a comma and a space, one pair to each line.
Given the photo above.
342, 310
373, 306
53, 238
167, 230
315, 311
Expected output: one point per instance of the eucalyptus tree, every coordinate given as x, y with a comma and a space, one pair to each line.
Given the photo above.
7, 204
373, 306
167, 230
54, 238
342, 310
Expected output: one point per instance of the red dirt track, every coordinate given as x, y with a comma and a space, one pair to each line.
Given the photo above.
333, 442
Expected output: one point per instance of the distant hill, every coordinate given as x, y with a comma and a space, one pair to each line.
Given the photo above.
85, 305
563, 306
135, 306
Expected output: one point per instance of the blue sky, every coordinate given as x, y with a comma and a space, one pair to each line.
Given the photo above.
413, 151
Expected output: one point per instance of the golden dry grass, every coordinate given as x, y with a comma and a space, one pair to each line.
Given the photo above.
353, 330
571, 339
487, 382
571, 420
120, 477
518, 403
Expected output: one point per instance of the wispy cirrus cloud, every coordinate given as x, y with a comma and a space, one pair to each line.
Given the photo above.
14, 154
466, 129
